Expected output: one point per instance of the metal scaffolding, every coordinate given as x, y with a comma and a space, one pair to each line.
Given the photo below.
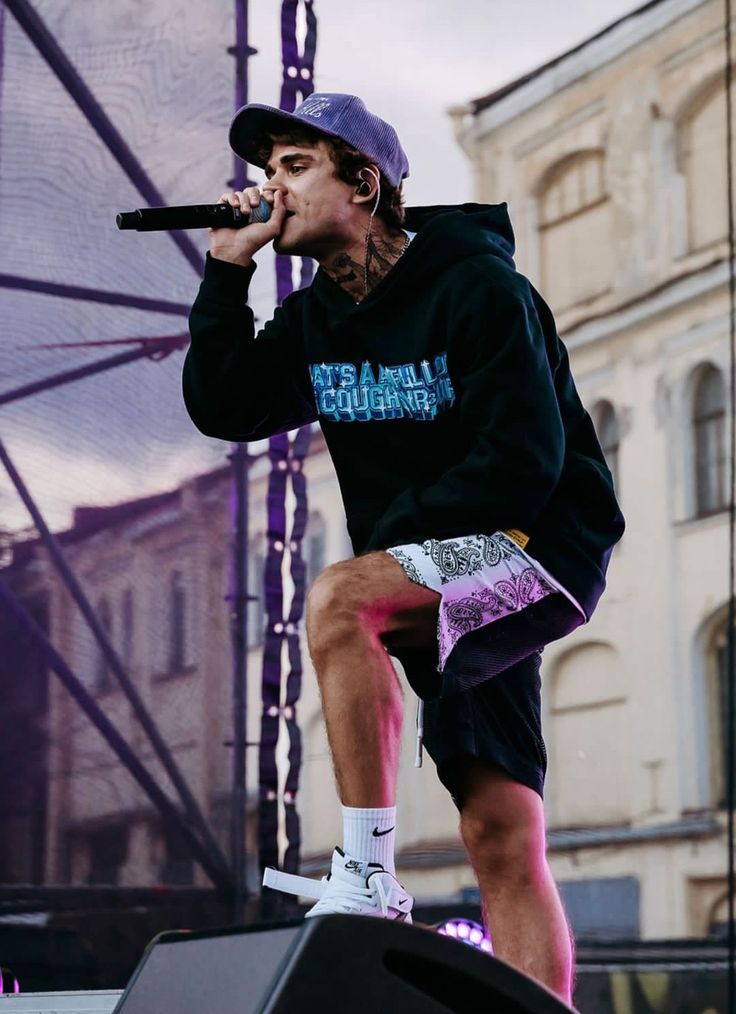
228, 876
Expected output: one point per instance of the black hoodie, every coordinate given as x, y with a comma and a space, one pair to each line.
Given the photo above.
445, 397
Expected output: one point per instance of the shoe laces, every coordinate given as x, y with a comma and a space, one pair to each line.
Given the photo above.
352, 898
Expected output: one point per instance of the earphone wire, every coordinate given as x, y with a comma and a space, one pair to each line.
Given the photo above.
368, 233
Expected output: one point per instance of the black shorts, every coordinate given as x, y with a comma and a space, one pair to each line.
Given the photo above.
498, 721
487, 701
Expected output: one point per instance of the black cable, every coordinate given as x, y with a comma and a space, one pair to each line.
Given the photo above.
730, 689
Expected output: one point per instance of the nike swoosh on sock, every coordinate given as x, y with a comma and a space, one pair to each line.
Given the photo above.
379, 834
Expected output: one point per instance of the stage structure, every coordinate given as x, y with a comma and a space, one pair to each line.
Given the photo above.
281, 690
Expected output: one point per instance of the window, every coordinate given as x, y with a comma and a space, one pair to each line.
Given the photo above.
603, 909
85, 651
257, 604
575, 230
177, 623
718, 921
717, 663
315, 546
702, 163
108, 850
606, 425
103, 675
126, 624
171, 620
709, 445
178, 865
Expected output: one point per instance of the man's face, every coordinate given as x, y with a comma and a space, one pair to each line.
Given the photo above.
319, 205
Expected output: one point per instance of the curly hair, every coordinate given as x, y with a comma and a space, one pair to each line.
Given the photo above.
348, 162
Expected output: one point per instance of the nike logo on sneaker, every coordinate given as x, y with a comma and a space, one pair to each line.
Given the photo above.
380, 834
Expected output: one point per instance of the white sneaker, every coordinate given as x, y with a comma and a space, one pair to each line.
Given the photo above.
352, 886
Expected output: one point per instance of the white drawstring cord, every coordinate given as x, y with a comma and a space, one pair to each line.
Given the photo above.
368, 233
420, 733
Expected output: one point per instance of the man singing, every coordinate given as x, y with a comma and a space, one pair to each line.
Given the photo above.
479, 505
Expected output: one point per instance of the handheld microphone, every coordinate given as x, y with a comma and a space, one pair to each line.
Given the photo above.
193, 216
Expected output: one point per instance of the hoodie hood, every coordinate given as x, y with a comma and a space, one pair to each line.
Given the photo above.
467, 229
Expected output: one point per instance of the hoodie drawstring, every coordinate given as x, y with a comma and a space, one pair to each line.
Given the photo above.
420, 733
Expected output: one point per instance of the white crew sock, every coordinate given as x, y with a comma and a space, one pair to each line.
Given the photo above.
369, 834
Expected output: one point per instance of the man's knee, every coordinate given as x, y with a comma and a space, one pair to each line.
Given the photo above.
369, 593
500, 850
501, 823
333, 587
333, 605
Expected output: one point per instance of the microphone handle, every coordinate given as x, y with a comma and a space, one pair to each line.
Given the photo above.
192, 216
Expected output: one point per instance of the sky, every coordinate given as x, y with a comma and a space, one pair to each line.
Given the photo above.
161, 72
413, 59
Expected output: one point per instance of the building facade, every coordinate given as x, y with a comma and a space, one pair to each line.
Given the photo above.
612, 159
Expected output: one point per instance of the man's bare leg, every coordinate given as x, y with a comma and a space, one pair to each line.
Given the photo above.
502, 826
353, 608
350, 607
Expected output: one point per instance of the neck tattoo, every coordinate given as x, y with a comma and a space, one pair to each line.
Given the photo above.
380, 256
384, 260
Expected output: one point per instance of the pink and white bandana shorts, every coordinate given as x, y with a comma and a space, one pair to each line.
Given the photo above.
481, 579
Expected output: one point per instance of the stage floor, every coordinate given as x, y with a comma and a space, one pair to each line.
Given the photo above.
94, 1001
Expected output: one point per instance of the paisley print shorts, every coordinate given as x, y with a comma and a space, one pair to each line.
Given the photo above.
481, 579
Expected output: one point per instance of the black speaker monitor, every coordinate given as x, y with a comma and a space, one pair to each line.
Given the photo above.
332, 964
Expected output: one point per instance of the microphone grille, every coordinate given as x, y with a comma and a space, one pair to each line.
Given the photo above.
262, 213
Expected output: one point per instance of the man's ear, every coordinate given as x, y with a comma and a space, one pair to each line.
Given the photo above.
368, 182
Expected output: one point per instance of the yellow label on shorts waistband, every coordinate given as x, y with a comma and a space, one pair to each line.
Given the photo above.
519, 538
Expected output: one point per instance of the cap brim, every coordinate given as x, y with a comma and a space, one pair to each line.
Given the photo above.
253, 121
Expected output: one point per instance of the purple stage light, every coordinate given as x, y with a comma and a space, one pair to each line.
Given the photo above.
467, 932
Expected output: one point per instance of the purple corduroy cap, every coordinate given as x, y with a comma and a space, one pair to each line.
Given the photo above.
331, 113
